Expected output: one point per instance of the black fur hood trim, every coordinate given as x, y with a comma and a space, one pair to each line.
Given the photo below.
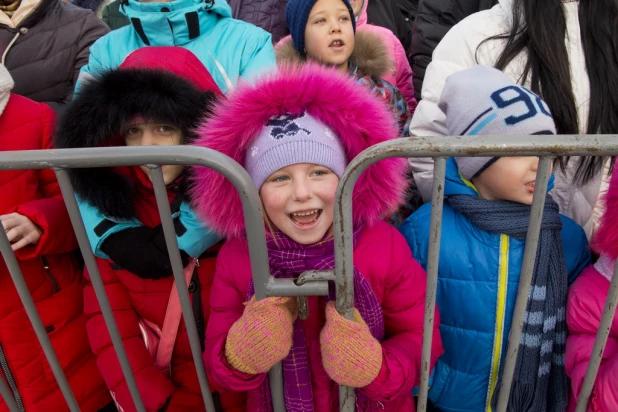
103, 106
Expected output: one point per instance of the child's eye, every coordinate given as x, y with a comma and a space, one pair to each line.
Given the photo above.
318, 21
132, 131
165, 129
344, 18
320, 172
278, 179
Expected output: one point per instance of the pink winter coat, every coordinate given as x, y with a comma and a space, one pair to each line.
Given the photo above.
584, 309
381, 253
384, 258
401, 75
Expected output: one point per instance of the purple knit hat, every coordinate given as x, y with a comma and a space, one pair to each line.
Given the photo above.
291, 139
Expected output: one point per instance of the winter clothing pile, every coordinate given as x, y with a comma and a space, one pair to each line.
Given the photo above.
369, 63
433, 20
462, 48
481, 258
51, 270
118, 206
401, 74
112, 16
230, 49
584, 310
44, 44
266, 14
394, 282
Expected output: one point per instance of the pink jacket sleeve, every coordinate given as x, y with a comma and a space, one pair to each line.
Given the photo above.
227, 300
404, 74
403, 304
584, 309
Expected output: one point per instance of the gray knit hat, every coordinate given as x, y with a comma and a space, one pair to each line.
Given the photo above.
484, 101
290, 139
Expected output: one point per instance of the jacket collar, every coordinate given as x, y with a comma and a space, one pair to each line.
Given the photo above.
369, 58
173, 23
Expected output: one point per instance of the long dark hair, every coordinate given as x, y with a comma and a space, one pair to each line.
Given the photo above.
539, 28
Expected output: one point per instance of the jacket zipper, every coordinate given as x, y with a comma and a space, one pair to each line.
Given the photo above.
10, 380
503, 276
49, 275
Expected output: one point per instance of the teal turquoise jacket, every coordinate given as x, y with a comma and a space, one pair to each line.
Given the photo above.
230, 49
478, 277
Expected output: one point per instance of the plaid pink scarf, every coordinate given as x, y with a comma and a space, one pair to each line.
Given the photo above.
288, 259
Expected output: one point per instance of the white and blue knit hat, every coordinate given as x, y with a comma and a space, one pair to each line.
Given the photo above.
291, 139
484, 101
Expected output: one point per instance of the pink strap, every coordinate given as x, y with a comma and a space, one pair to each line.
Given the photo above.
169, 331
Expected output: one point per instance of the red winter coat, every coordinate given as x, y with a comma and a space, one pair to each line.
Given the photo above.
57, 292
133, 298
383, 257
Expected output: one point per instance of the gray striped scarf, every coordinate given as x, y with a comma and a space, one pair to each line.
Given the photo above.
540, 382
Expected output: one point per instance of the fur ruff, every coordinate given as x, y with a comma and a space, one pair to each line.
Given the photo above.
370, 54
605, 239
355, 115
105, 105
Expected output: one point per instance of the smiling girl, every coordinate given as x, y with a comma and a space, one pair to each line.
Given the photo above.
295, 146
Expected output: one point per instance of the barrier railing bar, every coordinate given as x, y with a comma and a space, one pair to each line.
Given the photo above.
97, 283
183, 293
7, 396
525, 280
35, 319
433, 260
599, 344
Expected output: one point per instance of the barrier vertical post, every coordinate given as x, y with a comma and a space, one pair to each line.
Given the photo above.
39, 329
178, 271
525, 280
599, 344
97, 283
433, 258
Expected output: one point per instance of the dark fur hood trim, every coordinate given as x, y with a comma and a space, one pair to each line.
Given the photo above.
104, 105
370, 54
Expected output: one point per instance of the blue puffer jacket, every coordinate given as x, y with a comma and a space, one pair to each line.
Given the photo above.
229, 48
477, 288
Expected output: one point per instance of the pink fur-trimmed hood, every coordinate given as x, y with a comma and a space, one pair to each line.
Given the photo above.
356, 116
605, 240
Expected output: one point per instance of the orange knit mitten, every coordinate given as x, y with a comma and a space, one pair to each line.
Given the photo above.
262, 336
350, 354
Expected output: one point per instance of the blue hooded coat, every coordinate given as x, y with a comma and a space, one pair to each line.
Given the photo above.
478, 278
230, 49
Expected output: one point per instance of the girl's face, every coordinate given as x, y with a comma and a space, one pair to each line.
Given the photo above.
329, 35
509, 178
156, 134
299, 200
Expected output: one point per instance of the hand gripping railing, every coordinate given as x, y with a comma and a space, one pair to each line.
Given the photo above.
440, 148
265, 285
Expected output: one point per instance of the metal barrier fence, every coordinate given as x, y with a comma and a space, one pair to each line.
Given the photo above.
312, 283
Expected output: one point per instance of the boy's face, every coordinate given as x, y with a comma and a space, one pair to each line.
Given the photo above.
357, 6
508, 178
329, 35
156, 134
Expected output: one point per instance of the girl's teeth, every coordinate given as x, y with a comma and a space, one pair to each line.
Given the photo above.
305, 213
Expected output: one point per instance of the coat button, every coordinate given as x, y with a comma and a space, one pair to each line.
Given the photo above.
192, 286
23, 30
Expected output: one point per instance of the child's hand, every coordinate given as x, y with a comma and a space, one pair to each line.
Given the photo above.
262, 336
20, 230
350, 354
